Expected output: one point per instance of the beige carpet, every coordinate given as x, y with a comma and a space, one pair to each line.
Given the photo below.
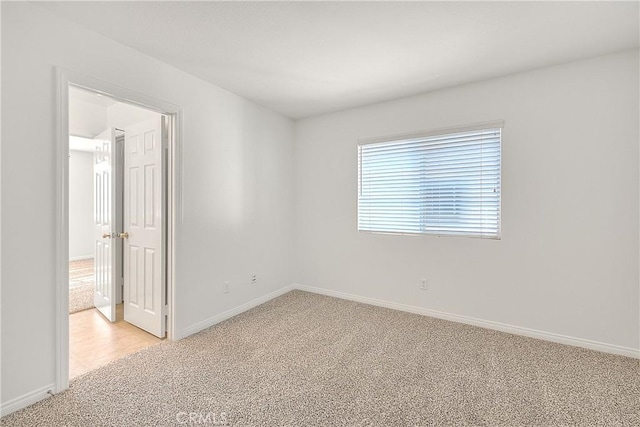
81, 285
80, 298
81, 272
309, 360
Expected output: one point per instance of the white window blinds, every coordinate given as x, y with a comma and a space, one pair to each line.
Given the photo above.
446, 184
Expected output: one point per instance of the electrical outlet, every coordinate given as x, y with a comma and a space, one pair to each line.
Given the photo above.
225, 287
424, 285
254, 278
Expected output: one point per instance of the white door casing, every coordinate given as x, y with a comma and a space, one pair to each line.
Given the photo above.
104, 184
173, 210
144, 200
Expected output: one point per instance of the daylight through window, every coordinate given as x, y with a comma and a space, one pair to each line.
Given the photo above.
446, 184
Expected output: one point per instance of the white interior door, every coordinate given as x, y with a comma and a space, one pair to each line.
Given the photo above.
104, 178
144, 190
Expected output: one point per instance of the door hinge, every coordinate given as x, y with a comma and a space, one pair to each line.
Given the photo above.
165, 310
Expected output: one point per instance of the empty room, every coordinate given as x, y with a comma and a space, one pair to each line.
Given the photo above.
320, 213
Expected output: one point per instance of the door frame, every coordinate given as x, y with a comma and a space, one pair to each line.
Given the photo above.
65, 79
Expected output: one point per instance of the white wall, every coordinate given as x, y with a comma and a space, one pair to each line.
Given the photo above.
81, 226
86, 119
120, 115
237, 186
568, 259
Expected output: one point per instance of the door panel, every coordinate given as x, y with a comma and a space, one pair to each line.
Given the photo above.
105, 206
143, 220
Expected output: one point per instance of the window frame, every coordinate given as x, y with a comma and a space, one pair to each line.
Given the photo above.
496, 124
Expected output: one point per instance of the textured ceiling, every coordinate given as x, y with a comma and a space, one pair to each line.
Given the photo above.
307, 58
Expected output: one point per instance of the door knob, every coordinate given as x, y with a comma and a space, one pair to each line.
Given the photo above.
124, 235
106, 235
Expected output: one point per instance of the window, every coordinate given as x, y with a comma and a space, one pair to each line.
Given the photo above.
447, 184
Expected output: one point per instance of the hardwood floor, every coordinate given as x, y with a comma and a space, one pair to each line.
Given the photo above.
94, 341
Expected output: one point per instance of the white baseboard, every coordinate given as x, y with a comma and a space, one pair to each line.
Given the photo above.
80, 258
25, 400
233, 312
516, 330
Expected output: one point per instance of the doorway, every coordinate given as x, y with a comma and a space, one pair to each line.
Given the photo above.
130, 264
116, 230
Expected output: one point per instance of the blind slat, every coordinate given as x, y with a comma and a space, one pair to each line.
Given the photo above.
443, 185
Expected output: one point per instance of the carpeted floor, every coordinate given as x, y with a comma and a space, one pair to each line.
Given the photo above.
80, 298
81, 272
81, 285
310, 360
